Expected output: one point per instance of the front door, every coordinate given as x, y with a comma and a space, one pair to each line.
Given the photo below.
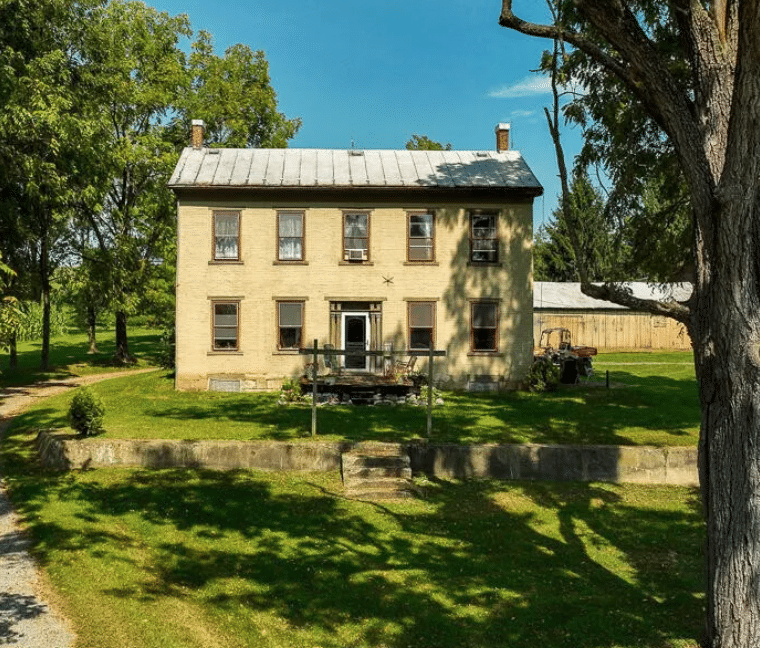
356, 338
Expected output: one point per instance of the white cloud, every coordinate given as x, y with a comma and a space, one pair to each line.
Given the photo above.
521, 113
532, 85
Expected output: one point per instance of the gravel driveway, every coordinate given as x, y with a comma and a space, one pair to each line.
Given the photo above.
26, 619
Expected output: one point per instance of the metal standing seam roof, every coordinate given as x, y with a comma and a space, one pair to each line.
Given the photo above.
222, 167
554, 295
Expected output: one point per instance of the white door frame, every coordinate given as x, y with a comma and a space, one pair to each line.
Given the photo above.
365, 315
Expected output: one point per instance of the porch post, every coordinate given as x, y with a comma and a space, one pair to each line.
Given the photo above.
314, 392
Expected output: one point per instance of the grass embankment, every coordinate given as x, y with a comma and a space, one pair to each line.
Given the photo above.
648, 404
69, 357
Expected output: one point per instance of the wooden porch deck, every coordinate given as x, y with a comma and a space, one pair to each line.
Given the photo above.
360, 387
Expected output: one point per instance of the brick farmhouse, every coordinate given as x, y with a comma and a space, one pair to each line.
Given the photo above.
359, 249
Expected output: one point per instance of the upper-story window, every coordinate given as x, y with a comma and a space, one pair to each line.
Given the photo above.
290, 236
420, 237
355, 236
484, 237
226, 236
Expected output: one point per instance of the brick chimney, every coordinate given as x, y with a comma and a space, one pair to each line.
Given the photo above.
196, 136
502, 137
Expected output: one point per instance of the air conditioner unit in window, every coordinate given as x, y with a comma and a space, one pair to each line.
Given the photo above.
356, 254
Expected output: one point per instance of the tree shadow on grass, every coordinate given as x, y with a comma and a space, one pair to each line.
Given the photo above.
476, 564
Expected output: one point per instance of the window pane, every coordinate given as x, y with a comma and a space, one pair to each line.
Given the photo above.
226, 224
290, 315
225, 309
290, 338
421, 314
420, 338
421, 225
225, 333
291, 224
421, 250
484, 315
484, 339
483, 226
291, 249
356, 243
356, 225
226, 248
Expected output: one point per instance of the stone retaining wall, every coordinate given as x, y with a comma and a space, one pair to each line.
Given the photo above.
645, 464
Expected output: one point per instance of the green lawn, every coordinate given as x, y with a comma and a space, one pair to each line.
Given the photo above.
647, 404
190, 558
186, 558
69, 357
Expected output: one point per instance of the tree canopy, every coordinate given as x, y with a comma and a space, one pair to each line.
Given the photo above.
96, 100
424, 143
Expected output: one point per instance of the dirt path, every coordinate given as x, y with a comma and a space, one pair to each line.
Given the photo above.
26, 618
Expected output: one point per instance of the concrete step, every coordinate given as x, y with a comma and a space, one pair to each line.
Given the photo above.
377, 473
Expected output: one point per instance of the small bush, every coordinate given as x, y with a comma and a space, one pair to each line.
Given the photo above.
86, 412
168, 348
543, 376
291, 393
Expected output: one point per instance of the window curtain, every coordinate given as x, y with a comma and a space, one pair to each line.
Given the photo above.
226, 236
291, 236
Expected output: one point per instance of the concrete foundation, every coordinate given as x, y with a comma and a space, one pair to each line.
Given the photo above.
643, 465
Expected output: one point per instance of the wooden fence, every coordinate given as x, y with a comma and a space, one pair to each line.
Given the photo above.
615, 330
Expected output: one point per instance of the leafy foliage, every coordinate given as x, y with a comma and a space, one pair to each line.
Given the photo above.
30, 320
424, 143
168, 348
543, 375
86, 412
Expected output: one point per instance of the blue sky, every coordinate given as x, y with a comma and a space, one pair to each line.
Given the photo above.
372, 74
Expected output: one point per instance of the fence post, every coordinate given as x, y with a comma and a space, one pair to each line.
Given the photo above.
314, 392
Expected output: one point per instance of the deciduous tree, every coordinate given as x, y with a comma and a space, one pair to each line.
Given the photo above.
701, 90
424, 143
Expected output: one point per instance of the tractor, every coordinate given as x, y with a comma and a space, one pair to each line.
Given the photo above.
555, 347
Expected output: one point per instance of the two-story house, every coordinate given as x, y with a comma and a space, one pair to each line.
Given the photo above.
359, 249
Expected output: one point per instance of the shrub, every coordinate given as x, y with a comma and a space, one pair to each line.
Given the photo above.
86, 412
291, 393
168, 348
543, 376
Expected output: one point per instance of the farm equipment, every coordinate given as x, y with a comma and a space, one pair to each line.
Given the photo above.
555, 348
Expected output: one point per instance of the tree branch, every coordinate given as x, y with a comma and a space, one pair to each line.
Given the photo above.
619, 294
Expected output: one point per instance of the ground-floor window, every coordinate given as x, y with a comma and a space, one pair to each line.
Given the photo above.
289, 324
421, 318
484, 326
226, 324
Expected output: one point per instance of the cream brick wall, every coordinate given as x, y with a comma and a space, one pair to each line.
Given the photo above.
258, 280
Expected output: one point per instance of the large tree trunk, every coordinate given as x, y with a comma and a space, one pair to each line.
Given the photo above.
122, 343
726, 334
